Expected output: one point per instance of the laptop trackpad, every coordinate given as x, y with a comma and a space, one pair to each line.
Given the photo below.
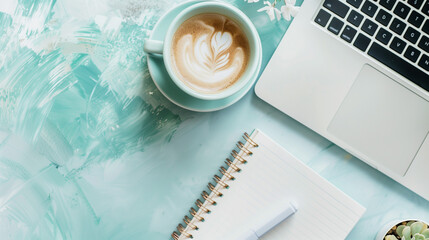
382, 120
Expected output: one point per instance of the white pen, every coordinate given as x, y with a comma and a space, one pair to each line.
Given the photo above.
268, 223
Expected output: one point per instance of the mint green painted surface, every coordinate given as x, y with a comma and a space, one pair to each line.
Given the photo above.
90, 149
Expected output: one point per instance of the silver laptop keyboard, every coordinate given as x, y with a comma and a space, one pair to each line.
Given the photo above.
394, 32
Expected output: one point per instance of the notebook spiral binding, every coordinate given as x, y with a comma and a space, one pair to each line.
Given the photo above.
182, 230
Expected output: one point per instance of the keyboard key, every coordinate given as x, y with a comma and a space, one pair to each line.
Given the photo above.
416, 19
424, 84
322, 18
362, 42
425, 9
383, 36
369, 27
397, 26
412, 35
398, 45
369, 8
335, 26
424, 44
348, 33
412, 54
383, 17
355, 18
401, 10
424, 62
415, 3
355, 3
388, 3
399, 65
336, 7
425, 27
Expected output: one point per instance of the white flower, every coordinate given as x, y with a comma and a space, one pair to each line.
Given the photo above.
252, 1
289, 9
271, 10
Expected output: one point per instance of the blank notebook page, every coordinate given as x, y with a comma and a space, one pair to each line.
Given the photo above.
272, 176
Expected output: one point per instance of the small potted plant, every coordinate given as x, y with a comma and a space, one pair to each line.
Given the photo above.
405, 230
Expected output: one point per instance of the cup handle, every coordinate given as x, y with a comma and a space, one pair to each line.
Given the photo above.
153, 46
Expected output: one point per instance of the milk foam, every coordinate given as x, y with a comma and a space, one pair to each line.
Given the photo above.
210, 52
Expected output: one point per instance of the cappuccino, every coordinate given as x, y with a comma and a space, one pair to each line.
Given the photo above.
209, 52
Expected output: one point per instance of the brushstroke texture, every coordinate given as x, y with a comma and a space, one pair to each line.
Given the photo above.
76, 101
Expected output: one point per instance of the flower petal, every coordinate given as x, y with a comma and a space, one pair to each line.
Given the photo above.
278, 14
270, 13
263, 9
285, 12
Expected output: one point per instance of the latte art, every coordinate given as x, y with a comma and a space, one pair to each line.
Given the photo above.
210, 52
208, 59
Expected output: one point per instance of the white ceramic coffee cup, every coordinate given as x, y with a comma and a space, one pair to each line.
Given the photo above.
164, 47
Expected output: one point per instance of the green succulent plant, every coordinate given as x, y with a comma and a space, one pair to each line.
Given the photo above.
411, 231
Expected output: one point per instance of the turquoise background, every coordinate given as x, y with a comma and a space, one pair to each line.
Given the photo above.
90, 149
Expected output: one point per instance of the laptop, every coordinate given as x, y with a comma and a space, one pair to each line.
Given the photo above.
357, 73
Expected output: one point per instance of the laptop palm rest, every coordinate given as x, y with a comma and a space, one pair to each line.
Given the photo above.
380, 114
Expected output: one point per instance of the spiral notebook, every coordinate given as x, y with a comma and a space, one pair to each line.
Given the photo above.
259, 174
